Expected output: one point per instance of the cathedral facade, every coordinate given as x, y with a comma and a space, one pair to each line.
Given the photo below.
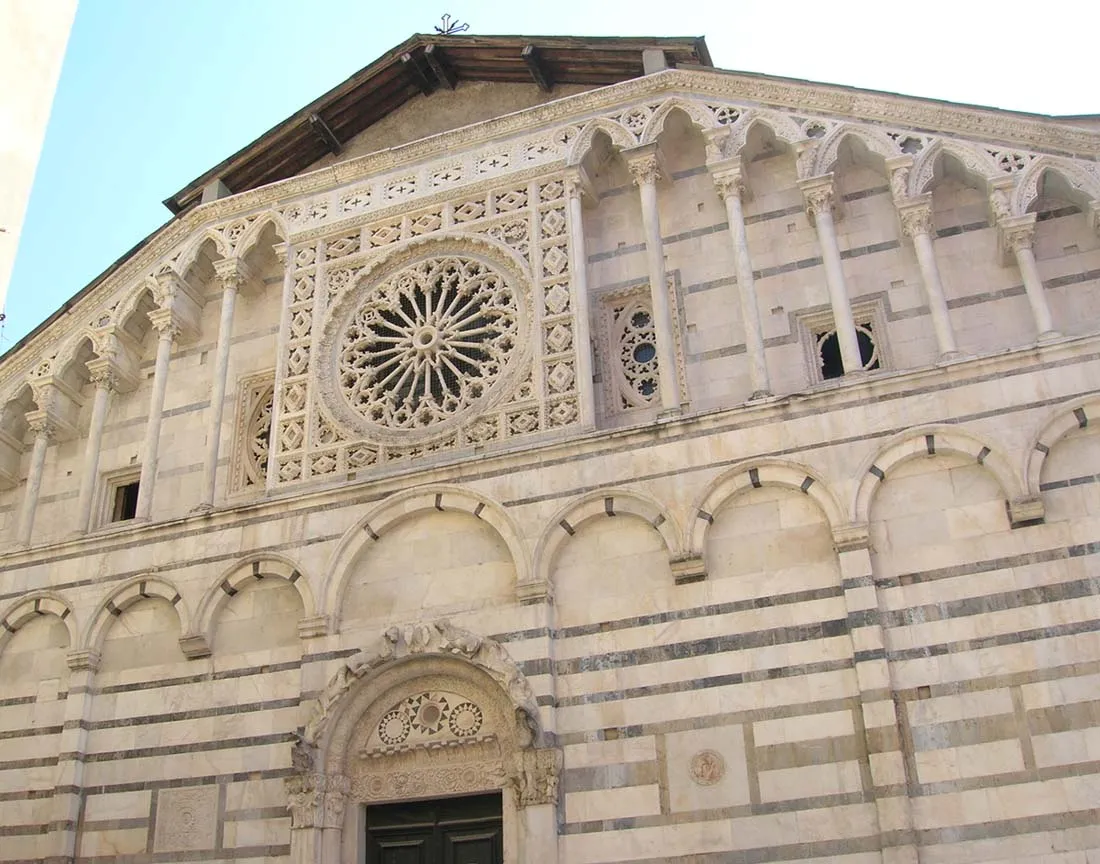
561, 450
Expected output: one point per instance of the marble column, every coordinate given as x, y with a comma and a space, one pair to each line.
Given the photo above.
1017, 237
285, 253
916, 224
729, 182
105, 379
818, 193
168, 328
68, 797
575, 185
231, 274
44, 429
644, 165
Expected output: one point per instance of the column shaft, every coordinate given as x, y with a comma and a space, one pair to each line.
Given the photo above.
746, 290
91, 454
152, 426
217, 394
933, 293
658, 290
1033, 285
34, 481
838, 292
582, 336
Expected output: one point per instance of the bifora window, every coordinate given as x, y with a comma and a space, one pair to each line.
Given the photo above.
822, 347
428, 342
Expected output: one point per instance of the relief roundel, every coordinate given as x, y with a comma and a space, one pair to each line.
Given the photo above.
420, 345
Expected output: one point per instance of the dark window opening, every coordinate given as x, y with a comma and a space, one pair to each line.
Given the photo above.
829, 347
125, 503
447, 831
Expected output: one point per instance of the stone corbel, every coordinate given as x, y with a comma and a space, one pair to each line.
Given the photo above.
688, 568
535, 591
194, 646
805, 153
851, 537
897, 171
1015, 232
83, 660
313, 627
722, 144
1026, 511
116, 356
178, 306
58, 404
1000, 199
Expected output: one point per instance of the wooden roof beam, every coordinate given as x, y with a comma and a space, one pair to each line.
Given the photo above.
538, 70
439, 66
321, 130
416, 74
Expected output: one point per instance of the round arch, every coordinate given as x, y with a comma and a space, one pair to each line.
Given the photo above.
620, 137
399, 507
925, 441
262, 565
977, 163
1059, 423
1027, 188
875, 141
602, 503
34, 604
126, 595
366, 740
754, 474
701, 118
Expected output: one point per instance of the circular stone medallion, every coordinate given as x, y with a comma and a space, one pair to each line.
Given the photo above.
707, 767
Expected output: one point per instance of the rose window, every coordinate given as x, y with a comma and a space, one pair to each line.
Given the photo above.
428, 342
638, 352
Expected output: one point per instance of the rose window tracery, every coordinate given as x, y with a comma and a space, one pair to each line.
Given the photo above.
428, 342
638, 352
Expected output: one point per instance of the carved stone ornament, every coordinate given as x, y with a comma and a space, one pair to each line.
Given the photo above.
1017, 235
916, 218
418, 345
438, 638
537, 781
729, 183
819, 198
317, 800
645, 169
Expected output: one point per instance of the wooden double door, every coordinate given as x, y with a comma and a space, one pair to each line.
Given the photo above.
445, 831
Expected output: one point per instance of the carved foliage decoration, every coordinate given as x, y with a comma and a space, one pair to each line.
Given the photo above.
253, 432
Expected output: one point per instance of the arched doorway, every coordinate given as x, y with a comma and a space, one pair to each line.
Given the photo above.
443, 722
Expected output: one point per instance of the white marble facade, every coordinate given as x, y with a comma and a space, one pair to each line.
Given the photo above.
531, 417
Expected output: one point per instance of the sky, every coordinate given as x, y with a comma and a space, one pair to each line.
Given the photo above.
154, 92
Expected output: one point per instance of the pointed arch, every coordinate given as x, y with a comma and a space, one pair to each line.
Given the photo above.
399, 507
261, 565
700, 117
1028, 188
620, 137
130, 592
30, 607
874, 140
924, 441
1075, 414
69, 352
254, 231
977, 162
129, 304
754, 474
781, 126
602, 503
189, 254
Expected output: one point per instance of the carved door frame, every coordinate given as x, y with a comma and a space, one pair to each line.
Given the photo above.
341, 760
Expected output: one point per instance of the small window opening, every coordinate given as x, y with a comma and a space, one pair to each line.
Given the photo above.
832, 366
125, 503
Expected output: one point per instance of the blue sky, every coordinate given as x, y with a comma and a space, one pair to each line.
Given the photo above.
154, 92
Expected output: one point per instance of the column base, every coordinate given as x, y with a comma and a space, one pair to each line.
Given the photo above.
1049, 336
950, 357
670, 414
760, 396
203, 508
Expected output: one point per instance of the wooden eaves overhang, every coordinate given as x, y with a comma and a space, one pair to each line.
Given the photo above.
418, 67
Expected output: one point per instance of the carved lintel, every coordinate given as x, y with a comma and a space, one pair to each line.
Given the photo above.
1026, 511
851, 537
688, 568
82, 659
538, 777
194, 646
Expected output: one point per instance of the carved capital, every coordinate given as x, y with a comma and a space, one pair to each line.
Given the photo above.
805, 157
232, 273
282, 252
1016, 233
42, 425
645, 164
305, 794
818, 193
177, 309
579, 185
915, 215
104, 375
1000, 204
728, 177
166, 323
538, 777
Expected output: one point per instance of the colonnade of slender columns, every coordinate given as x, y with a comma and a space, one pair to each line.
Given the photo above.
1017, 238
167, 330
44, 428
105, 380
645, 168
575, 186
916, 224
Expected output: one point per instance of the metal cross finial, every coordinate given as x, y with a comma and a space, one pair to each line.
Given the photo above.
450, 27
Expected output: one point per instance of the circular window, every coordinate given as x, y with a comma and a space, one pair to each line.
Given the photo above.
424, 343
